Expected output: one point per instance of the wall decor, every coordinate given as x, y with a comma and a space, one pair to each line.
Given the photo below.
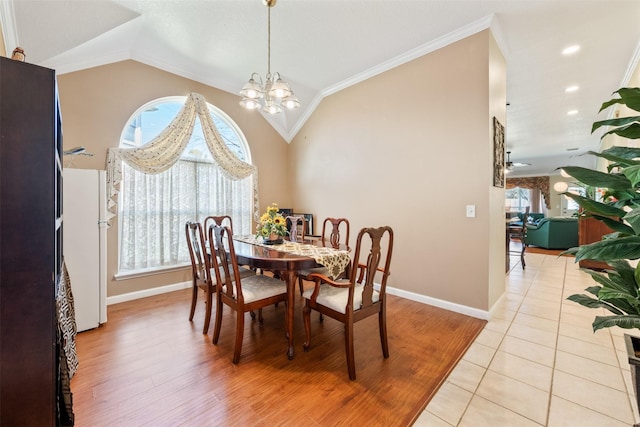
498, 153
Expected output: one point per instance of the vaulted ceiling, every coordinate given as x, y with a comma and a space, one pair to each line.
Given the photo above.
323, 46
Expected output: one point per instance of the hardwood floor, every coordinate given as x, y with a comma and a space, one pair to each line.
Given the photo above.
149, 366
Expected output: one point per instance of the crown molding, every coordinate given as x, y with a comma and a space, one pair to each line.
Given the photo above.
454, 36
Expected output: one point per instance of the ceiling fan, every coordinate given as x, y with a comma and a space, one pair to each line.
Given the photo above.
509, 165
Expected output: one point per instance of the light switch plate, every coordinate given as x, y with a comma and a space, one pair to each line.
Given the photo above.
471, 211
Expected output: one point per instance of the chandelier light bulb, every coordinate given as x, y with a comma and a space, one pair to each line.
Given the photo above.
291, 102
250, 104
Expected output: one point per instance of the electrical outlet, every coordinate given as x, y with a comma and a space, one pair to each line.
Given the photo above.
471, 211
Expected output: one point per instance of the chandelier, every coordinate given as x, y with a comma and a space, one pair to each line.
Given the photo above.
275, 93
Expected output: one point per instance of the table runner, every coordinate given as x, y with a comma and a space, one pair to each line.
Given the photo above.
333, 259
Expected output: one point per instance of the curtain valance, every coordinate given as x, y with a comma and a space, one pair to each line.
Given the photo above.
539, 182
165, 150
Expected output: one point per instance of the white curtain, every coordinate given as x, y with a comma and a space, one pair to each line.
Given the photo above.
159, 154
162, 192
156, 207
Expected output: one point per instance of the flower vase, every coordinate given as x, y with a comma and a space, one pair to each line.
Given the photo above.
274, 239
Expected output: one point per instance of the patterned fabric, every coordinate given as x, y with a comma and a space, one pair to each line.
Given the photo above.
67, 321
334, 260
66, 348
539, 182
165, 150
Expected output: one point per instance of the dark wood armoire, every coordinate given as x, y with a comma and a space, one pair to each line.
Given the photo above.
30, 244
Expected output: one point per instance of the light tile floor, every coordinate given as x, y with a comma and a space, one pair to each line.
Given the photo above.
538, 362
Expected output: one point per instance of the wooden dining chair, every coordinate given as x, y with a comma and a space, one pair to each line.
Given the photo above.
519, 231
354, 298
335, 232
296, 226
244, 294
201, 269
217, 219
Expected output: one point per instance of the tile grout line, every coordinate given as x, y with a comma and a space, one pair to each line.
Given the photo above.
555, 350
494, 355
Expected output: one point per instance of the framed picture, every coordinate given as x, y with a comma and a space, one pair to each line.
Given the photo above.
286, 212
498, 153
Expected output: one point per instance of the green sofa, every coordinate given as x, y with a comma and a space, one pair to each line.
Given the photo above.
553, 233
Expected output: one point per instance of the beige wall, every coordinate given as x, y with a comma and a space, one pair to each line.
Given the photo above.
3, 51
97, 103
410, 148
498, 109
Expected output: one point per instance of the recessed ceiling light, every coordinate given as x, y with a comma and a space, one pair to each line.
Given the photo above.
571, 49
572, 112
571, 89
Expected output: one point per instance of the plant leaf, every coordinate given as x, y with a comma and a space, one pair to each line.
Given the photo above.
633, 174
623, 269
611, 249
591, 205
617, 160
631, 131
616, 225
621, 121
622, 300
630, 97
622, 321
589, 302
593, 290
624, 152
598, 179
633, 218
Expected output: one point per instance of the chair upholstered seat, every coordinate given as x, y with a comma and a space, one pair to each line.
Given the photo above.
338, 298
259, 287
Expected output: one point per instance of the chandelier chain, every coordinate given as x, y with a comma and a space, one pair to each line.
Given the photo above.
268, 41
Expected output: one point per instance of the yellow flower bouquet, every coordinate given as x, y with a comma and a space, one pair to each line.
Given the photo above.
272, 226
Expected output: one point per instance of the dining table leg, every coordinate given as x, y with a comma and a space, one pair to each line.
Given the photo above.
290, 279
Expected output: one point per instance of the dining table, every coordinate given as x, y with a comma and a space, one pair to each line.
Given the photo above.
287, 259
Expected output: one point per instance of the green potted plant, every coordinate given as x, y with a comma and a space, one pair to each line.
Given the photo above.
617, 289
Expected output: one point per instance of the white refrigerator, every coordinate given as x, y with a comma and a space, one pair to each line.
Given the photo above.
85, 243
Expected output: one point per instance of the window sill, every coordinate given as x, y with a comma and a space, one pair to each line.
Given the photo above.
133, 274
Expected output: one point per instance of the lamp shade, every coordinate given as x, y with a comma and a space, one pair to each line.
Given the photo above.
252, 90
280, 89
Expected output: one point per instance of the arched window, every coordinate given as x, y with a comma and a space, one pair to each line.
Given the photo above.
153, 209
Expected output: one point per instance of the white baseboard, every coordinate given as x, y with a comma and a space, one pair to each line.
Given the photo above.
457, 308
147, 293
447, 305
